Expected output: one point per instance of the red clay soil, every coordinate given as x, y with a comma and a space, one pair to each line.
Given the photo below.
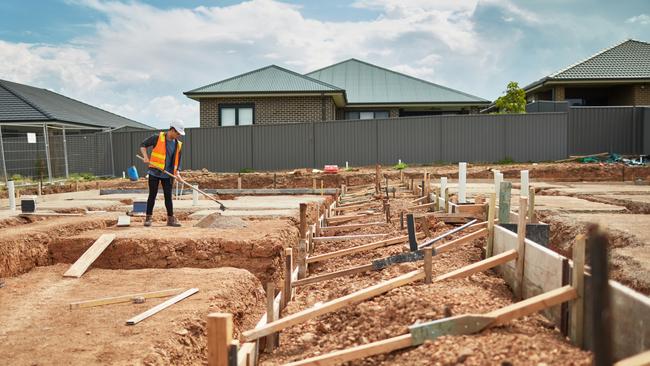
303, 178
256, 247
520, 342
23, 247
39, 329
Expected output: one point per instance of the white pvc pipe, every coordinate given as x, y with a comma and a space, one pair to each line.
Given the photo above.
195, 195
462, 180
523, 190
498, 178
11, 191
443, 185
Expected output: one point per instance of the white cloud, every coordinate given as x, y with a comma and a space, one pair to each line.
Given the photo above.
642, 19
140, 60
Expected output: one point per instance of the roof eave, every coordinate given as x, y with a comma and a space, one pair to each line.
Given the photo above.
559, 81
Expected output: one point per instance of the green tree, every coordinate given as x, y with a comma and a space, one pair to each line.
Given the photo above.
514, 101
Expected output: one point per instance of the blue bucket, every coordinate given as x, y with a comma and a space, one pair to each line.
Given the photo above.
133, 173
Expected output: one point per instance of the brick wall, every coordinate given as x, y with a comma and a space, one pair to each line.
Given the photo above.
559, 93
270, 110
642, 94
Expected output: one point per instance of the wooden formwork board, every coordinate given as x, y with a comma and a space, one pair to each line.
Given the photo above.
543, 270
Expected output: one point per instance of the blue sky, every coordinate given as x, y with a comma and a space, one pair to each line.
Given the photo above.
136, 58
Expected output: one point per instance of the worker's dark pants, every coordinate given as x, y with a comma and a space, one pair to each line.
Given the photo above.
153, 192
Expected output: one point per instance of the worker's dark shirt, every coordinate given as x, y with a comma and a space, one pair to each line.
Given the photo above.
169, 157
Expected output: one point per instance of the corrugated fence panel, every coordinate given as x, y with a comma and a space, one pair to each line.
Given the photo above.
414, 140
286, 146
221, 149
122, 152
472, 138
595, 130
536, 137
341, 141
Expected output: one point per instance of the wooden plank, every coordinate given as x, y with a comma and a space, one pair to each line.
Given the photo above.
463, 239
122, 298
474, 211
347, 237
404, 341
124, 221
331, 275
428, 254
360, 248
480, 266
246, 354
288, 269
162, 306
578, 282
533, 305
425, 205
353, 226
270, 314
354, 207
219, 338
642, 359
354, 353
89, 256
372, 291
25, 214
489, 250
333, 305
336, 219
521, 249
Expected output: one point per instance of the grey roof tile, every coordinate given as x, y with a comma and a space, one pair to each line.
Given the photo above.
367, 83
20, 102
270, 79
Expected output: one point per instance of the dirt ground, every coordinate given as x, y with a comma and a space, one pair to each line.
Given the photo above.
35, 251
38, 328
302, 178
388, 315
256, 247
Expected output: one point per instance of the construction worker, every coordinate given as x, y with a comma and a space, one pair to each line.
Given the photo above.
165, 158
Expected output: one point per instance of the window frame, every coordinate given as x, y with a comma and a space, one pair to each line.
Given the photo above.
236, 107
373, 111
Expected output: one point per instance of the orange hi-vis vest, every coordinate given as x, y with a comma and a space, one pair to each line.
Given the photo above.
159, 153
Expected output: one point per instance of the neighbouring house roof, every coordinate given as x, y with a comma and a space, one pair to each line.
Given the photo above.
24, 103
366, 83
270, 79
628, 60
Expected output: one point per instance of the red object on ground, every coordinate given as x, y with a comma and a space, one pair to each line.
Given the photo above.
332, 169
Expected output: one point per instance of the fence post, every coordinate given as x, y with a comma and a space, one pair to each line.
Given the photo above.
2, 157
65, 154
47, 152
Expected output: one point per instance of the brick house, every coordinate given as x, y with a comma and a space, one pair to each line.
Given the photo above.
350, 89
616, 76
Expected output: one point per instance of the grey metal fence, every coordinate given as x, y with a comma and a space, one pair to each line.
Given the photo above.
606, 129
421, 140
418, 140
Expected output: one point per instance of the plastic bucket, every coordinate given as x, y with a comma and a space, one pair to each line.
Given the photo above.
133, 173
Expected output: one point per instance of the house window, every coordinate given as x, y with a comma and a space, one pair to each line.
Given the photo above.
366, 114
236, 114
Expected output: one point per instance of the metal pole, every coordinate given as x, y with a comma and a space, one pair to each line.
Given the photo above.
65, 155
110, 136
47, 152
2, 157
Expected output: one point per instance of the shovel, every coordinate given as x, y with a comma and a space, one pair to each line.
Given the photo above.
209, 196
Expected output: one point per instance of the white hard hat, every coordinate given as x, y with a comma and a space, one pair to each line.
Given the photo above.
178, 126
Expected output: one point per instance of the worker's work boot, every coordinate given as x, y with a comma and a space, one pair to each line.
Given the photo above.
147, 221
171, 221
